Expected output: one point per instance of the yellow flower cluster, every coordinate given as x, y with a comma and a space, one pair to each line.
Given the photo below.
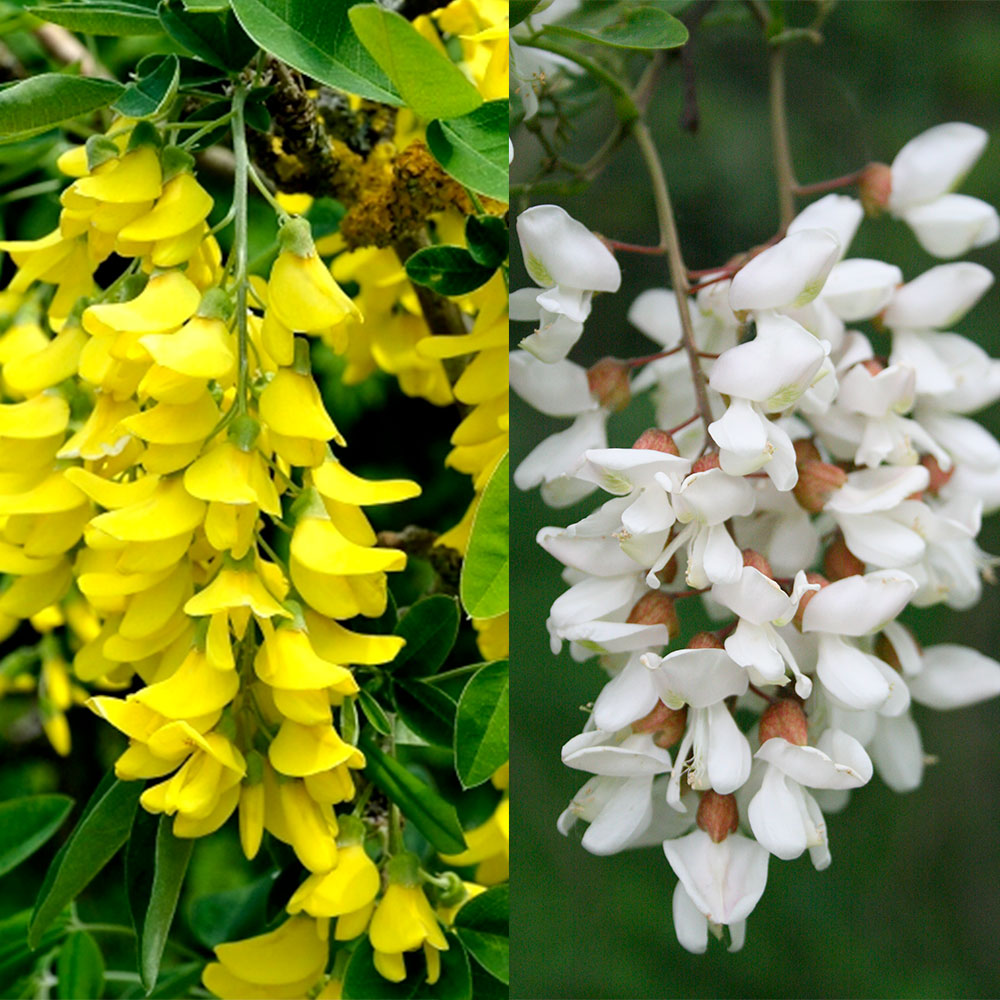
141, 458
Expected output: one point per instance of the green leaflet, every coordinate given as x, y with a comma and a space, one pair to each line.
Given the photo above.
427, 80
44, 101
473, 148
484, 585
482, 724
317, 39
435, 818
27, 823
482, 926
101, 831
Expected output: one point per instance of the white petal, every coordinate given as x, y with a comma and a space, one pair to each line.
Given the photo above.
878, 489
790, 273
554, 339
849, 675
880, 540
690, 924
655, 313
696, 677
838, 761
860, 288
751, 646
524, 307
727, 757
720, 558
777, 815
939, 297
953, 224
625, 815
616, 637
858, 605
558, 250
891, 390
712, 497
559, 389
636, 755
934, 162
626, 698
754, 597
560, 453
898, 753
774, 368
592, 598
955, 676
837, 212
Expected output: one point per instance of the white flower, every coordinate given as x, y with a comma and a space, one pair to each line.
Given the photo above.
559, 389
570, 263
720, 884
938, 298
763, 607
702, 679
924, 171
857, 606
783, 816
790, 273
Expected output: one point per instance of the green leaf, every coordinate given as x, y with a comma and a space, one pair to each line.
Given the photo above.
430, 629
105, 17
232, 914
80, 968
316, 39
473, 148
219, 40
170, 866
435, 818
27, 823
363, 982
349, 724
139, 872
178, 981
427, 80
633, 27
152, 95
482, 925
374, 713
16, 959
102, 830
41, 102
485, 582
430, 713
487, 987
520, 9
488, 239
448, 270
482, 742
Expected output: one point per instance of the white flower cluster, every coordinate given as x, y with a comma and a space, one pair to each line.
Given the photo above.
830, 489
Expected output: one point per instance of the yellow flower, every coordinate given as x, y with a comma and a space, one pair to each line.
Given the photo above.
349, 887
488, 847
404, 921
284, 964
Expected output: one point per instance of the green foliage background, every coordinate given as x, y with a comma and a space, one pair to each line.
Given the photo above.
911, 904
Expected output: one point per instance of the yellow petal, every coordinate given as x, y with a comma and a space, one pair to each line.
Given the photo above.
40, 417
485, 377
167, 301
109, 217
334, 481
311, 827
292, 952
151, 609
226, 474
291, 405
53, 494
404, 920
235, 589
28, 595
331, 786
287, 660
135, 720
251, 819
318, 545
187, 827
311, 708
352, 925
196, 688
299, 750
108, 493
337, 644
202, 348
174, 250
170, 511
390, 965
341, 596
304, 295
134, 177
277, 339
167, 423
102, 433
73, 162
183, 204
353, 884
29, 375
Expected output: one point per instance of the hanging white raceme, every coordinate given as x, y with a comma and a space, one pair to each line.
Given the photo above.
807, 493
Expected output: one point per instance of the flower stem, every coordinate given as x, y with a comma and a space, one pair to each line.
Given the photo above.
259, 184
783, 169
675, 261
239, 250
835, 184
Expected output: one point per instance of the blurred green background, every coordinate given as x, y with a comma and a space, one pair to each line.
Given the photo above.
911, 904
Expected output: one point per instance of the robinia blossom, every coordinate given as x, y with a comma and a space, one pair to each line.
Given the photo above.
801, 486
